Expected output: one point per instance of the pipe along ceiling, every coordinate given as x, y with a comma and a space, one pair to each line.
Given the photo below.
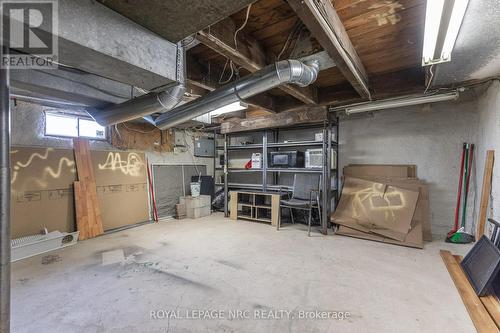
282, 72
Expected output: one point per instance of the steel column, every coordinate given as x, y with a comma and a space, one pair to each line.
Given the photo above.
264, 162
226, 181
325, 179
329, 178
4, 202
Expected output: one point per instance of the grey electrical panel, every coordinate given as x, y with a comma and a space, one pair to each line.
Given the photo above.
204, 147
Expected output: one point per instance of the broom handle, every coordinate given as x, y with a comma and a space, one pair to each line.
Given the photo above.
459, 195
468, 173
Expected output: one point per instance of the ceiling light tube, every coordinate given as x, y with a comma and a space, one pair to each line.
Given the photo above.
236, 106
443, 19
401, 102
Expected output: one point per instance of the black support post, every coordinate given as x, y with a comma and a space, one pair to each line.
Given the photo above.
4, 201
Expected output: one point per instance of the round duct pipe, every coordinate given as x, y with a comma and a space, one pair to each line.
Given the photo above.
282, 72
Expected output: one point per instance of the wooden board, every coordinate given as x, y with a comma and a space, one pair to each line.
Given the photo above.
477, 311
305, 115
323, 22
88, 211
88, 222
485, 192
275, 209
233, 205
492, 304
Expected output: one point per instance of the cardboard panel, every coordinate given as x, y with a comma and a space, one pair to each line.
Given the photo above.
376, 207
422, 211
381, 170
121, 179
413, 239
42, 189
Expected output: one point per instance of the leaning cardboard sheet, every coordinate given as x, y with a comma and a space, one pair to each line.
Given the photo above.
379, 211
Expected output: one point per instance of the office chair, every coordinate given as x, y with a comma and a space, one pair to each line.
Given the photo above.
305, 196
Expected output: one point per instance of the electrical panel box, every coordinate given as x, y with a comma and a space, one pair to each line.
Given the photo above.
204, 147
179, 139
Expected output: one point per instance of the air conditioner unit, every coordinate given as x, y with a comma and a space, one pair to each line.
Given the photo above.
314, 159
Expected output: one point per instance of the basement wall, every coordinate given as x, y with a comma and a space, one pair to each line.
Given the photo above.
489, 138
28, 127
429, 136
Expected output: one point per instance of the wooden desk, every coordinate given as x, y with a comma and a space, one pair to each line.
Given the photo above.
255, 206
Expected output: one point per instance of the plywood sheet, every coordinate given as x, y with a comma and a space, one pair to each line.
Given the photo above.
88, 208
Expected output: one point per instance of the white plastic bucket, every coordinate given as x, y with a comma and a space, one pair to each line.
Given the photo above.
195, 189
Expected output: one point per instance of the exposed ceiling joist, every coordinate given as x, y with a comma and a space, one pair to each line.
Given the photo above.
247, 54
198, 76
322, 20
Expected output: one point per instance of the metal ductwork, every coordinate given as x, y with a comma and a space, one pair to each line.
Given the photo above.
148, 104
282, 72
139, 107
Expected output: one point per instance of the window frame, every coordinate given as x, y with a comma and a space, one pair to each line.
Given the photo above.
77, 117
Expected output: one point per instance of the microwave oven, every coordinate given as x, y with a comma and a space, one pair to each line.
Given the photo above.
286, 159
314, 159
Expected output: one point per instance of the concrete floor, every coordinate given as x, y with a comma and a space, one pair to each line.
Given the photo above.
114, 282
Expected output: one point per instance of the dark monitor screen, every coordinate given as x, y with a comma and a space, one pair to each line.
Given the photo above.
482, 265
280, 159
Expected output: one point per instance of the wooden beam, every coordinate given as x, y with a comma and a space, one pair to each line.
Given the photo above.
477, 312
485, 193
492, 304
304, 115
198, 76
322, 20
247, 53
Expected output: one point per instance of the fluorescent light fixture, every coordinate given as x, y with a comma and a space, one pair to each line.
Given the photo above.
207, 117
443, 19
236, 106
400, 102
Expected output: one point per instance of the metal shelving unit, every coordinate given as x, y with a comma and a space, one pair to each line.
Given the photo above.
327, 144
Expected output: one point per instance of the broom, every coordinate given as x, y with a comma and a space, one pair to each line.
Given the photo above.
459, 195
461, 237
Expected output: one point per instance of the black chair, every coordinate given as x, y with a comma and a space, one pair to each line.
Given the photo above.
305, 196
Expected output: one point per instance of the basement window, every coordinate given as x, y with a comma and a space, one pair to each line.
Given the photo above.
73, 126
